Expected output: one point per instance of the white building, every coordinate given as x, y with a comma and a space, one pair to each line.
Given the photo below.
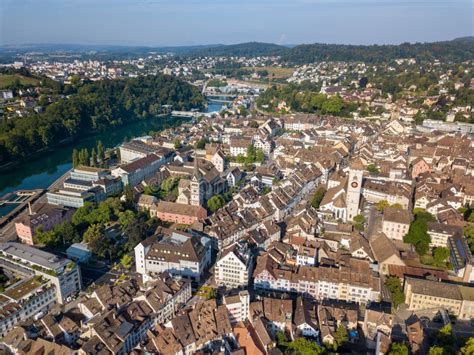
179, 253
306, 256
234, 267
30, 298
218, 159
440, 233
396, 222
135, 150
355, 282
63, 273
238, 146
238, 307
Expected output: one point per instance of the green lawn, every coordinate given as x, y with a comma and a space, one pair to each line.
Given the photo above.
274, 72
7, 80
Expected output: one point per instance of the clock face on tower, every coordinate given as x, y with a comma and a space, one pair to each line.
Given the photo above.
354, 184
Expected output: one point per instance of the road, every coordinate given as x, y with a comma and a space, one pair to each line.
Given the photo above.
373, 219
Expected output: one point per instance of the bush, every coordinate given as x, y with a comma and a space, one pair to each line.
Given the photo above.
215, 202
394, 285
318, 197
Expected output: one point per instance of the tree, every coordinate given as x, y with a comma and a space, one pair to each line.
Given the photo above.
440, 255
381, 205
470, 218
468, 348
129, 196
135, 233
100, 151
399, 349
80, 217
151, 190
93, 157
251, 153
126, 261
372, 168
177, 143
446, 338
303, 346
215, 202
333, 105
253, 124
418, 232
469, 234
93, 232
243, 111
126, 218
75, 158
259, 156
318, 197
67, 233
341, 337
169, 184
394, 286
201, 144
49, 238
359, 225
102, 247
84, 157
436, 350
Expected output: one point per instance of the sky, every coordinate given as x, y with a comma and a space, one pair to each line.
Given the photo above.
193, 22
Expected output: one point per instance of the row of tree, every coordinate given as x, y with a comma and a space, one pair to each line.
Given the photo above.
82, 156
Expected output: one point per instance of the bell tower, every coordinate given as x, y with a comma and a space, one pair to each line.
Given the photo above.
195, 185
354, 189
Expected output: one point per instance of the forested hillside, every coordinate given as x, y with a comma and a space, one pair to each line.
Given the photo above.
456, 50
249, 49
93, 107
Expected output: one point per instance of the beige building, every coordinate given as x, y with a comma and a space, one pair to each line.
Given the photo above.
467, 307
385, 253
396, 222
427, 294
440, 233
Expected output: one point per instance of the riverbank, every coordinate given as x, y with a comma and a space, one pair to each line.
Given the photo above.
48, 166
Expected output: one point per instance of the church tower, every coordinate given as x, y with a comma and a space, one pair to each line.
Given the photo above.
195, 185
354, 188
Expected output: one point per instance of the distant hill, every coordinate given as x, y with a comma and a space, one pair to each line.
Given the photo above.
83, 48
460, 49
464, 39
249, 49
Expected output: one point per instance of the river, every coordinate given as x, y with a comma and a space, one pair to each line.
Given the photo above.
43, 171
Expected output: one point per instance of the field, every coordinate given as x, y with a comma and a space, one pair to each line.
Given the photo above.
274, 72
7, 80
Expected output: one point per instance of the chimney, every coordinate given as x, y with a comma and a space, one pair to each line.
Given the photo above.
30, 209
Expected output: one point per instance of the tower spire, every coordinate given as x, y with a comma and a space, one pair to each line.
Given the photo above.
196, 172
